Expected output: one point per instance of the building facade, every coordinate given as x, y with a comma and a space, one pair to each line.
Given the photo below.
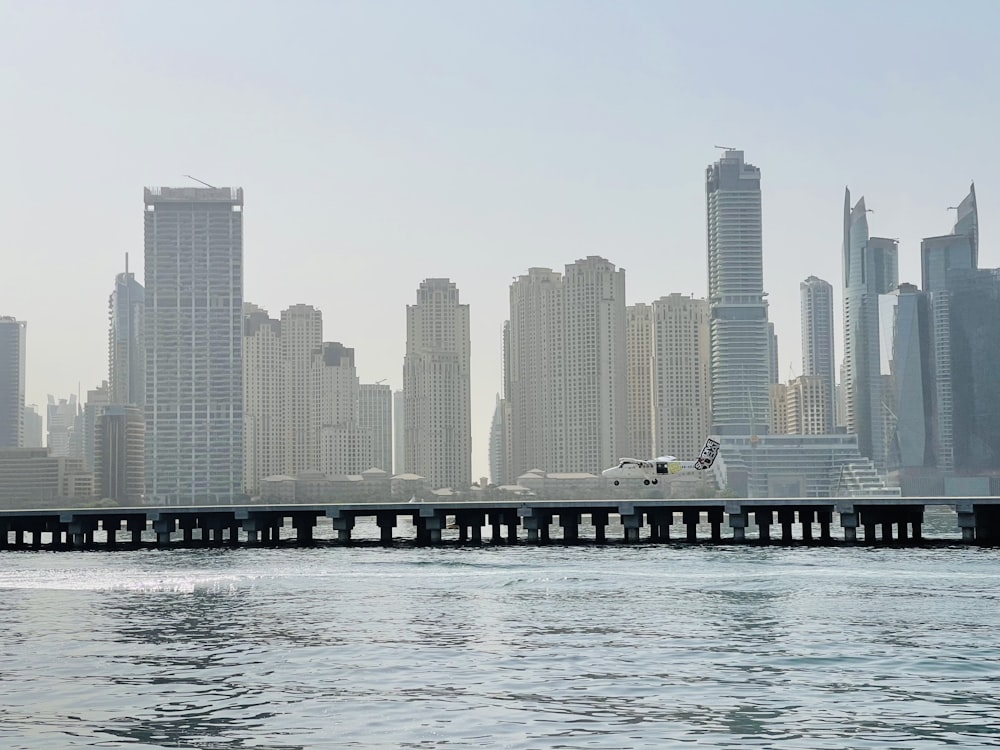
870, 269
13, 342
126, 341
818, 357
265, 442
740, 353
436, 387
375, 417
680, 384
194, 345
120, 455
639, 379
301, 338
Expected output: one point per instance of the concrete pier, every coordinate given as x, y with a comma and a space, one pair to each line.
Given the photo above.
882, 521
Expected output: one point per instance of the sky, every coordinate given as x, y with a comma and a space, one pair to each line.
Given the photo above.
379, 144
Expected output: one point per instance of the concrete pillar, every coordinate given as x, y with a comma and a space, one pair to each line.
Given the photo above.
252, 527
902, 532
764, 519
738, 523
187, 524
691, 518
599, 520
825, 518
18, 537
512, 524
111, 527
386, 523
632, 523
715, 516
886, 531
4, 534
570, 523
786, 517
136, 526
496, 528
345, 524
303, 523
476, 521
432, 521
164, 527
849, 523
806, 516
533, 525
967, 523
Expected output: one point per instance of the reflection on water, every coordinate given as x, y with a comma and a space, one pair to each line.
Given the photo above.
516, 648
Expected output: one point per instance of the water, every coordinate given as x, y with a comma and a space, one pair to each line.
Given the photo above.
584, 647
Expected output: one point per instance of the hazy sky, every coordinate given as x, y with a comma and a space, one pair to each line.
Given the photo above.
381, 143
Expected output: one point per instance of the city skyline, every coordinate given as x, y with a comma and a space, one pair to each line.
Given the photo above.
472, 175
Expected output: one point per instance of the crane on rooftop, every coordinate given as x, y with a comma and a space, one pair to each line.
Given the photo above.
201, 181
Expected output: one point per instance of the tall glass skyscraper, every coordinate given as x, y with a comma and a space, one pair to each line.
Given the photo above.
871, 268
126, 348
817, 337
738, 328
194, 345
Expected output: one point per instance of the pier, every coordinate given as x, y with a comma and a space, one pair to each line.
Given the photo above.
876, 520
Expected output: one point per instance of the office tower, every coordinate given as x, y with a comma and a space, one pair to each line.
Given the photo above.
12, 352
301, 337
816, 299
34, 437
264, 398
375, 417
120, 454
499, 435
437, 421
807, 405
680, 385
974, 338
870, 269
958, 250
739, 335
535, 372
594, 345
398, 433
772, 355
639, 378
97, 401
194, 345
126, 347
60, 423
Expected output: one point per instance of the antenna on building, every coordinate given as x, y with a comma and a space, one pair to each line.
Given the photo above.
201, 181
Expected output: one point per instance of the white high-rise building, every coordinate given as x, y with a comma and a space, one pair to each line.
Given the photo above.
595, 402
375, 417
436, 384
807, 406
739, 333
194, 345
639, 378
344, 448
12, 351
817, 338
301, 338
535, 373
60, 423
681, 387
264, 397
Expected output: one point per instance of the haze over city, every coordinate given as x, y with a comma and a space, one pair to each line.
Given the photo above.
379, 145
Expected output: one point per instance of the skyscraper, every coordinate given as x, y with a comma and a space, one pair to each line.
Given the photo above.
535, 374
12, 351
126, 335
375, 417
194, 345
594, 345
265, 441
739, 335
958, 250
870, 269
638, 378
436, 387
816, 298
301, 337
680, 385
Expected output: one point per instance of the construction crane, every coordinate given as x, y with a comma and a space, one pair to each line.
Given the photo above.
201, 181
725, 148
